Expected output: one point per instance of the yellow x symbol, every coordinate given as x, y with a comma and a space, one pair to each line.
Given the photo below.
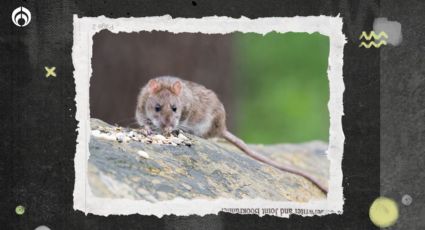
50, 71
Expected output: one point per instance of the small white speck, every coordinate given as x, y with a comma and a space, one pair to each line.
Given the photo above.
120, 137
176, 140
158, 138
183, 137
406, 200
143, 154
131, 134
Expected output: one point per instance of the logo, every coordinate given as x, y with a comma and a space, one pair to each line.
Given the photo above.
376, 37
21, 16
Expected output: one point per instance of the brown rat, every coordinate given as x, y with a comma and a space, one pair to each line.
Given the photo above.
168, 103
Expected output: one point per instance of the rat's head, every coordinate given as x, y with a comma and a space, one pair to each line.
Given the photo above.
163, 106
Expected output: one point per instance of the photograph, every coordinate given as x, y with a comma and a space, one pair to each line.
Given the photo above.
239, 116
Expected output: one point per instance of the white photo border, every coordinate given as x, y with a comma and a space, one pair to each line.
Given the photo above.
86, 27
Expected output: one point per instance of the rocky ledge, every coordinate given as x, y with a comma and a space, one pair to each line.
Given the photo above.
126, 163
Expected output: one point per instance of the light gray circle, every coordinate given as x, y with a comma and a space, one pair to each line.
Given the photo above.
42, 227
406, 199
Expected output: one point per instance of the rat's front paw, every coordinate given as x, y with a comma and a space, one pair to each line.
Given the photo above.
146, 130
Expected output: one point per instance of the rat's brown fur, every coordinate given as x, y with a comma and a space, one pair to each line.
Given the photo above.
197, 110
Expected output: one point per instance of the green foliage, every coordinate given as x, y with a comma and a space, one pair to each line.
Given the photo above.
282, 87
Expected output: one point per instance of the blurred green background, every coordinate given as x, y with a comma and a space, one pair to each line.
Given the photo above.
282, 87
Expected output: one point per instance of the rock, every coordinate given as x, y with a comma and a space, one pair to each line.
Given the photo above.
191, 167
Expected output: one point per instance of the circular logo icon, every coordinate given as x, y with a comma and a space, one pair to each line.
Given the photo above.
21, 16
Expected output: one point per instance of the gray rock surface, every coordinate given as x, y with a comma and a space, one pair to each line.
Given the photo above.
206, 169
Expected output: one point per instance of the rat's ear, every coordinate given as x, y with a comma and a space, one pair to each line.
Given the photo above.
177, 87
153, 86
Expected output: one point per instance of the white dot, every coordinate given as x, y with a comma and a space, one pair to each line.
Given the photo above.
42, 227
406, 199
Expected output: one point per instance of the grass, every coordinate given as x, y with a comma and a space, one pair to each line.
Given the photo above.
282, 87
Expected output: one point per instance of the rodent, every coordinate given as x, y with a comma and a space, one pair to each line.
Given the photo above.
169, 103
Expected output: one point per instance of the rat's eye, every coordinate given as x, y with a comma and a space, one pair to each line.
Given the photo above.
174, 108
157, 108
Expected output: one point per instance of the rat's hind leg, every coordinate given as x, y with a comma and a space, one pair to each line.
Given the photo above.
218, 125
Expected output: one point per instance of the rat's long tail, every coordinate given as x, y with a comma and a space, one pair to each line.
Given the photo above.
244, 147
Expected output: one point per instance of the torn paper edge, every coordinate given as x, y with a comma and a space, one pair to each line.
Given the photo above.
86, 27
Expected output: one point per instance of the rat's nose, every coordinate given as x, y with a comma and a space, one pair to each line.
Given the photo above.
166, 121
165, 125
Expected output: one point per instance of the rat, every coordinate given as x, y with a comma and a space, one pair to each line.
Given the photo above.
169, 103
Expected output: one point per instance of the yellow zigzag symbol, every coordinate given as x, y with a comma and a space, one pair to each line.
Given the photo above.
372, 43
372, 34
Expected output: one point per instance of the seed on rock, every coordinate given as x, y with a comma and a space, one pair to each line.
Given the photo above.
143, 154
183, 137
120, 137
176, 140
132, 134
158, 138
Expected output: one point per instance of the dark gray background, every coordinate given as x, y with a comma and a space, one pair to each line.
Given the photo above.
403, 113
38, 128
